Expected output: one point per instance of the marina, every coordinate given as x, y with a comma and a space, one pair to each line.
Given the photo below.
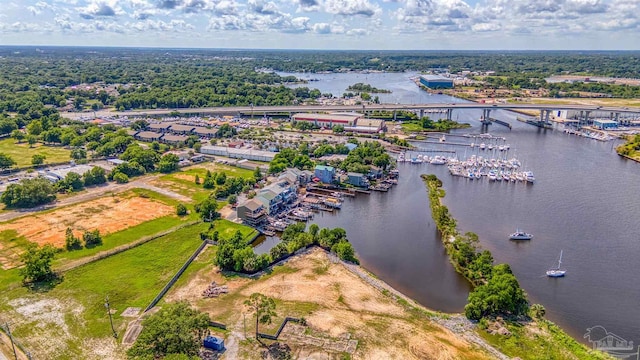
579, 184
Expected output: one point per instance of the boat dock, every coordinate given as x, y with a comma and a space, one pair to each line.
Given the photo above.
504, 123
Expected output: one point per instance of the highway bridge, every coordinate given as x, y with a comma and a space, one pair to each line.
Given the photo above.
448, 108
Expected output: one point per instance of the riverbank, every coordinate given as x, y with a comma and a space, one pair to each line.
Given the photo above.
505, 326
340, 303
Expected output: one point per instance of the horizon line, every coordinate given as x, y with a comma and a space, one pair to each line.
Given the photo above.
307, 49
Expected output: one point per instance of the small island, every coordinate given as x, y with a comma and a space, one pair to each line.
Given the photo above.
362, 87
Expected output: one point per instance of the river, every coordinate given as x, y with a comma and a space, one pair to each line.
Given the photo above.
585, 202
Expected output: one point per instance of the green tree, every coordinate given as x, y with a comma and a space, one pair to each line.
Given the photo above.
208, 209
72, 182
264, 307
345, 251
95, 176
37, 263
71, 241
175, 329
537, 311
78, 154
181, 210
139, 125
92, 238
501, 295
28, 193
232, 199
6, 161
37, 159
18, 135
31, 140
257, 174
168, 163
121, 178
34, 128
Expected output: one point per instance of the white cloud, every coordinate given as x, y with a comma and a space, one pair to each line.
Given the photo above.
351, 7
523, 22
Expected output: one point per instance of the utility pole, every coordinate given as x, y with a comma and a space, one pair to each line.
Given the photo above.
106, 305
13, 345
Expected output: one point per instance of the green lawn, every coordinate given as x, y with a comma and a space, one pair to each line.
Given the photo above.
540, 341
412, 126
10, 243
131, 278
183, 182
21, 153
227, 228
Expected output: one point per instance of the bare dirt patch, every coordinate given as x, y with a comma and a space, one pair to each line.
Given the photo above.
190, 178
108, 214
340, 308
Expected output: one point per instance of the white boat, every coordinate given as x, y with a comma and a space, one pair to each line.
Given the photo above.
482, 146
490, 147
557, 272
438, 160
492, 175
501, 148
529, 176
520, 235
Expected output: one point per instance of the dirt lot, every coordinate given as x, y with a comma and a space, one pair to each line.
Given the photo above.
107, 214
336, 304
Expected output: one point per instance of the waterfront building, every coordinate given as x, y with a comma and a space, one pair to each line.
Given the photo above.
605, 124
357, 179
436, 82
326, 174
252, 212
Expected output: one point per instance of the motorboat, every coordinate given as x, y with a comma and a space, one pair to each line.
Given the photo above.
520, 235
557, 271
482, 146
529, 176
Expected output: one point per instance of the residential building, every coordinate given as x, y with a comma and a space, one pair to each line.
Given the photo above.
357, 179
326, 174
252, 212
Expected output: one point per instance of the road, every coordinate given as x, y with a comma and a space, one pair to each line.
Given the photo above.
260, 110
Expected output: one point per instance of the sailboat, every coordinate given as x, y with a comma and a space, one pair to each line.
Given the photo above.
557, 272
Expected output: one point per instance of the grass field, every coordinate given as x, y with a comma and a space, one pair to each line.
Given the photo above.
21, 153
183, 182
73, 312
540, 341
14, 239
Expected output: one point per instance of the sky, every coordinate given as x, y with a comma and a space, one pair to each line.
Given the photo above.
326, 24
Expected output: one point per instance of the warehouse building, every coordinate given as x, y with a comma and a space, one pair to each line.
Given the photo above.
436, 82
367, 126
327, 120
352, 122
249, 154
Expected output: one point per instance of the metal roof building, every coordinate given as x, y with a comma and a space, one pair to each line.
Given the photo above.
249, 154
327, 120
436, 82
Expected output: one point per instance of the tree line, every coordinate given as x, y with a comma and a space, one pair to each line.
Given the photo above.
496, 290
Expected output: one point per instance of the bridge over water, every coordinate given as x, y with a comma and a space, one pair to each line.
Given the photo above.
585, 111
